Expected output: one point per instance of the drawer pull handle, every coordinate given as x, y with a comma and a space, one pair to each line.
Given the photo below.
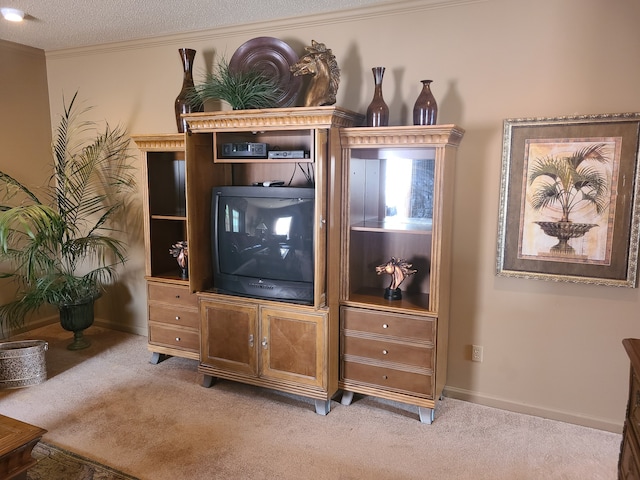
384, 377
177, 317
177, 296
384, 325
251, 340
177, 339
264, 343
384, 352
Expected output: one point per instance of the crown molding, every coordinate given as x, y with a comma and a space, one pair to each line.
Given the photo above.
266, 28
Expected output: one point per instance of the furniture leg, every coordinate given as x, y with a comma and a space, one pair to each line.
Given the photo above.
156, 357
347, 398
426, 414
208, 380
323, 407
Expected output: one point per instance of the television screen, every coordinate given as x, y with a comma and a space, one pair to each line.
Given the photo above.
263, 241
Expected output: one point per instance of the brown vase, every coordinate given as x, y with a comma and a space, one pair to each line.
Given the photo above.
182, 101
378, 111
425, 110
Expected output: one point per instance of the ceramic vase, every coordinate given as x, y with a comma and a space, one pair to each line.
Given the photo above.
378, 111
182, 104
425, 110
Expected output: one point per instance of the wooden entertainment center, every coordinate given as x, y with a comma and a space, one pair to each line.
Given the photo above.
349, 336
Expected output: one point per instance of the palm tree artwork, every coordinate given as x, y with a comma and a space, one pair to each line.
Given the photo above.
568, 183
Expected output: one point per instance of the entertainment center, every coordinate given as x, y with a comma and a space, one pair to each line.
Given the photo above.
282, 290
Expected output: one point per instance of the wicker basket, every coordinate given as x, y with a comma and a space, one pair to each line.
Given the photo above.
22, 363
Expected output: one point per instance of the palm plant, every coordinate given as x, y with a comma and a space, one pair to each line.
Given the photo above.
59, 244
570, 182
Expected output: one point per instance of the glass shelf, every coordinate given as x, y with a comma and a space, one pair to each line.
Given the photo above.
392, 225
181, 218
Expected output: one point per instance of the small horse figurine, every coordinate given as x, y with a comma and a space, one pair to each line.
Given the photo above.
322, 65
399, 269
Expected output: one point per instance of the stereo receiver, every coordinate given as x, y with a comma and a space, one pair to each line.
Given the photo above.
288, 154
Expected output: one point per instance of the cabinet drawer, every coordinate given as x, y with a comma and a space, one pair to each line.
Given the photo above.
418, 355
389, 378
173, 294
174, 316
174, 337
381, 323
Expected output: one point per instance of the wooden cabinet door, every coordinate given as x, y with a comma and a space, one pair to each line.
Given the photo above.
229, 336
292, 346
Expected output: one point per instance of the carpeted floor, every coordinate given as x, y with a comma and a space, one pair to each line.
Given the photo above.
55, 463
156, 422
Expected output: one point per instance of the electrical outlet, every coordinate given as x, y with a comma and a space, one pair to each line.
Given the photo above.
476, 353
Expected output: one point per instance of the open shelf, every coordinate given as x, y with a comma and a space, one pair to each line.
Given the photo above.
255, 146
373, 298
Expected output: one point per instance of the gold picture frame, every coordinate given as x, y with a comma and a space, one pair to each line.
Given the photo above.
569, 199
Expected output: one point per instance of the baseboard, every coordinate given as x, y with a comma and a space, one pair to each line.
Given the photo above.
30, 325
100, 322
567, 417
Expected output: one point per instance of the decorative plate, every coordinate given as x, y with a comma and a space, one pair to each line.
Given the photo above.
273, 57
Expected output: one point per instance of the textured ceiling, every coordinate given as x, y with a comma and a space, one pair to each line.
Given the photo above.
59, 24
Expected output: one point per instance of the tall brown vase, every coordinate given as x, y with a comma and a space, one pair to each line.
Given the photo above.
425, 110
378, 111
182, 104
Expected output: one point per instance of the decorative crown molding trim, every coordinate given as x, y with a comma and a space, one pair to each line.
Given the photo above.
390, 8
331, 116
412, 135
161, 142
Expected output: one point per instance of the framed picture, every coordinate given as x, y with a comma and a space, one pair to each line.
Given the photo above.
569, 202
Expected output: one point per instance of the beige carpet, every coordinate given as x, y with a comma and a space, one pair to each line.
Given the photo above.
156, 422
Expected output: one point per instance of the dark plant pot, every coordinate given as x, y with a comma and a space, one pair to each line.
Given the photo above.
22, 363
77, 318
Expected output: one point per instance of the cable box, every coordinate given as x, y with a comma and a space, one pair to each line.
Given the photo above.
245, 149
288, 154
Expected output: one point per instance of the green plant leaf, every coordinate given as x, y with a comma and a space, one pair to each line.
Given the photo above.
62, 249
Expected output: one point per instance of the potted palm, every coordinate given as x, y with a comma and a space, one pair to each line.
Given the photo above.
59, 244
569, 182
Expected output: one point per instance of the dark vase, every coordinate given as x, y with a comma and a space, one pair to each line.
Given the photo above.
425, 110
183, 105
378, 111
77, 318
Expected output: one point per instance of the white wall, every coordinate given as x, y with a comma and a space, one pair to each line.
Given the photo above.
550, 349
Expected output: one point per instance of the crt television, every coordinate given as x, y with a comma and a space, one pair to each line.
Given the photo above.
262, 242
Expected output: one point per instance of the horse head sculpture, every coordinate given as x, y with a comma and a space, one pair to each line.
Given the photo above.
399, 269
321, 64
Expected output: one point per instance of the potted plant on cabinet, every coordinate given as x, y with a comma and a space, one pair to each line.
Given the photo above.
250, 89
59, 245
